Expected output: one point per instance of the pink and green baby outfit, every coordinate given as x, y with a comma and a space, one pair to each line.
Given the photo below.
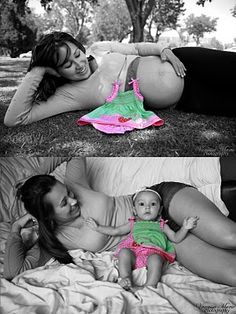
147, 238
122, 111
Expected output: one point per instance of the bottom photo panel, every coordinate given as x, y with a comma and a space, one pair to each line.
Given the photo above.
118, 235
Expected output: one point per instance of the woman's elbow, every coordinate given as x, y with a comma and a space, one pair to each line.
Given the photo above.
8, 122
8, 275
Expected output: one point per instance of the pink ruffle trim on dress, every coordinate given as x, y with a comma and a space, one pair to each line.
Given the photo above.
142, 252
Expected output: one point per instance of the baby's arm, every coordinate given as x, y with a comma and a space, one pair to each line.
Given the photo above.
188, 224
113, 231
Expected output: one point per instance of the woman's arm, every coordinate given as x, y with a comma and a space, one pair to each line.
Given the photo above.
24, 110
76, 172
176, 237
18, 257
113, 231
140, 49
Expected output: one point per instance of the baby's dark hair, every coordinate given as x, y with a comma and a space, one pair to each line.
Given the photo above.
46, 54
32, 194
147, 190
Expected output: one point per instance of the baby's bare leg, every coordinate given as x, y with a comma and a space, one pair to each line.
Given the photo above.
154, 270
126, 264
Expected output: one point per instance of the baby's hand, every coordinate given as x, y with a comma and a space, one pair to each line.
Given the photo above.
91, 223
190, 222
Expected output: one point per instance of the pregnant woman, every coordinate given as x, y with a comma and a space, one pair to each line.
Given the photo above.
61, 78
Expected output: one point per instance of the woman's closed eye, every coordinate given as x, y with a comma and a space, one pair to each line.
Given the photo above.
68, 64
64, 202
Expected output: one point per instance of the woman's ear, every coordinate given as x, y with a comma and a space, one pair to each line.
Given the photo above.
92, 63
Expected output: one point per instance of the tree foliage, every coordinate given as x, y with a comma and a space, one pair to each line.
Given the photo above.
233, 11
48, 22
165, 14
198, 25
111, 21
202, 2
71, 16
17, 28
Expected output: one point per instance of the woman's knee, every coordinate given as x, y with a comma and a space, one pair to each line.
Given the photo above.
229, 275
229, 237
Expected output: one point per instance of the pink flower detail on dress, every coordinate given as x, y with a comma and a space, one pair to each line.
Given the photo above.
123, 119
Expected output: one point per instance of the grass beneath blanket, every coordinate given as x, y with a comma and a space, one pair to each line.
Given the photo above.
183, 134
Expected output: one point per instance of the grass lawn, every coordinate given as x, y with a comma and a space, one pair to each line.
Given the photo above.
183, 134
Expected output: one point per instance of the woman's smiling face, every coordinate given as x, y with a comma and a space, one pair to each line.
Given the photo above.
72, 63
65, 206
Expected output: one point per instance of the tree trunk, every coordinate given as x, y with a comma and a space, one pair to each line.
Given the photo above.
137, 30
139, 11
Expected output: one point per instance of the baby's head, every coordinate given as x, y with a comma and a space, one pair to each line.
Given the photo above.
147, 204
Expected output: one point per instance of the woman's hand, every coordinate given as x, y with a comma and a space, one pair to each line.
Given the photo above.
190, 222
168, 55
52, 72
91, 223
22, 223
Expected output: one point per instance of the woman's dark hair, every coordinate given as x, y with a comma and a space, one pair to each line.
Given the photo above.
32, 194
46, 54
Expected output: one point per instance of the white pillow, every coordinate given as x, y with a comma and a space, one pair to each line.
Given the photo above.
124, 175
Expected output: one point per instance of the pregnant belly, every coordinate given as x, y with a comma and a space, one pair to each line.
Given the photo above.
159, 84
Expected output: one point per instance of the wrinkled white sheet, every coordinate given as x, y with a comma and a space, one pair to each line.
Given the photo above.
63, 289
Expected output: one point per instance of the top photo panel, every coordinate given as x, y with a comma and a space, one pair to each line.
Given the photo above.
117, 78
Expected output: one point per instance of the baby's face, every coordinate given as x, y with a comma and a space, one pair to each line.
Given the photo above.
147, 205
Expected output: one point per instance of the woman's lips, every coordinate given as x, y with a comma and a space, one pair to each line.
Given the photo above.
83, 70
75, 209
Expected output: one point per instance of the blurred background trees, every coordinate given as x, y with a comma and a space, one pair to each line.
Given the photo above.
17, 27
111, 21
98, 20
199, 25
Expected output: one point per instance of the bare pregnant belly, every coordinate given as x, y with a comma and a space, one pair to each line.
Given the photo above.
159, 84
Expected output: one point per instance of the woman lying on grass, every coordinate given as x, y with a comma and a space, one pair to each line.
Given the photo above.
208, 250
61, 78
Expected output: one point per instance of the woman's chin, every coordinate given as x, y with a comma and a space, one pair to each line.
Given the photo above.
83, 76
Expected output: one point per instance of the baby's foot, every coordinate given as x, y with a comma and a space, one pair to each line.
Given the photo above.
151, 284
125, 283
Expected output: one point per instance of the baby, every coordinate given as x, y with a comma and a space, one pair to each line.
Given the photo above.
149, 240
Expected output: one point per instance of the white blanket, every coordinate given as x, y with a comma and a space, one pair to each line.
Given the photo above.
89, 288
